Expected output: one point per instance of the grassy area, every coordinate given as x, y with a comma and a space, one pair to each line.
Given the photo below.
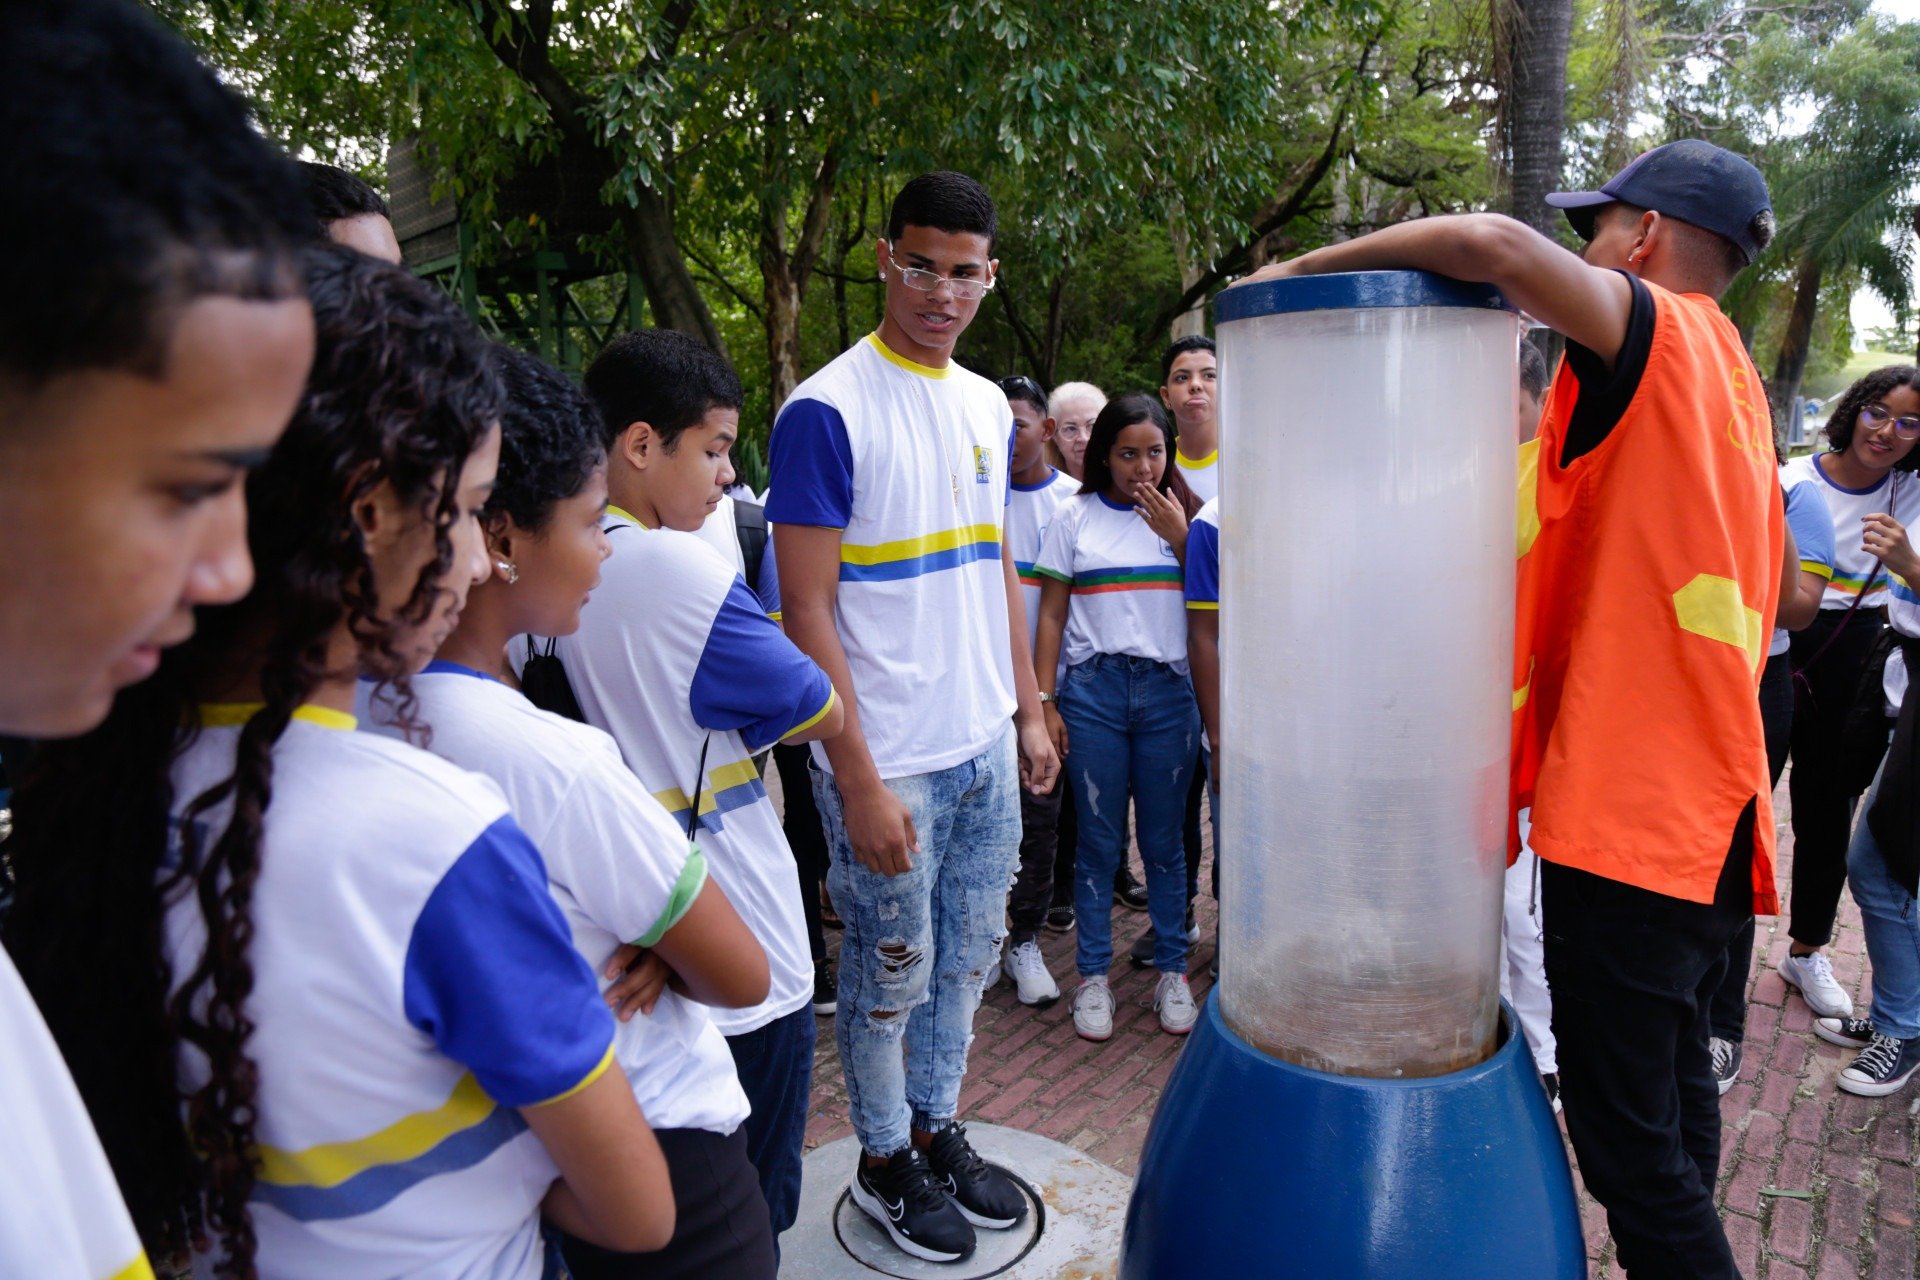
1834, 381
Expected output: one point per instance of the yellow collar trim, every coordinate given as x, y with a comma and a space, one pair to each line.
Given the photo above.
628, 516
1207, 461
893, 357
224, 715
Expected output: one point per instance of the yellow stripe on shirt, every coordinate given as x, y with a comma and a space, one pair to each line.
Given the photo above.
813, 719
331, 1163
908, 548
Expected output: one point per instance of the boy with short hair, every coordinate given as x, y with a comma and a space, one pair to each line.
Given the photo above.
676, 660
1038, 490
889, 490
154, 338
350, 212
1650, 572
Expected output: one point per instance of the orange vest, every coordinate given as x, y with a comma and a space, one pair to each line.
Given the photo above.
1648, 580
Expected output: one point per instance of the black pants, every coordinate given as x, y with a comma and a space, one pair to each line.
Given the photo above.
1190, 831
1632, 973
1033, 887
1729, 1017
720, 1218
805, 836
1822, 801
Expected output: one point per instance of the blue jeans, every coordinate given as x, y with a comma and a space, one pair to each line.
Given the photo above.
775, 1066
1133, 729
1892, 921
919, 947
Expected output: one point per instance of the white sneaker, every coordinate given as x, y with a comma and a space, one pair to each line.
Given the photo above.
1093, 1009
1812, 976
1173, 1001
1026, 969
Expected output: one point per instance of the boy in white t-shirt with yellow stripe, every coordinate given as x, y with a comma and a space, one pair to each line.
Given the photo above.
889, 489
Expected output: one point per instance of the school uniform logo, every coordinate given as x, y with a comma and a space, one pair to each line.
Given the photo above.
982, 464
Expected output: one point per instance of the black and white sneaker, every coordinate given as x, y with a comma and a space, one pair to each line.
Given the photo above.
1128, 892
904, 1198
826, 989
1848, 1033
1060, 918
986, 1196
1726, 1061
1883, 1067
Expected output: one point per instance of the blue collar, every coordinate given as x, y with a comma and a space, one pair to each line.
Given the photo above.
440, 667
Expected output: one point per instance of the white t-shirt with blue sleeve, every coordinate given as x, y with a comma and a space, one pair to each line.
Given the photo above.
1127, 589
415, 984
1812, 524
619, 868
674, 656
1030, 510
911, 464
1203, 558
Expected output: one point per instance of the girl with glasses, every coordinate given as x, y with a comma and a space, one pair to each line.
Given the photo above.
1870, 444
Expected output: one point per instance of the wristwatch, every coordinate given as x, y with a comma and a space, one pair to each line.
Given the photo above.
1048, 697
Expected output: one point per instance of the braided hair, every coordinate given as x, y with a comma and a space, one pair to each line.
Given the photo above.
1865, 391
402, 390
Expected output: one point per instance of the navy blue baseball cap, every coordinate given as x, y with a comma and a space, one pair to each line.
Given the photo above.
1691, 180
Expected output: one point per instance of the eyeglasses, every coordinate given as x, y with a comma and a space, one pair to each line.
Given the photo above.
1071, 430
920, 280
1875, 416
1022, 386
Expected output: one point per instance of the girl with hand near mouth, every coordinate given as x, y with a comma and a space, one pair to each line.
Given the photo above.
1112, 602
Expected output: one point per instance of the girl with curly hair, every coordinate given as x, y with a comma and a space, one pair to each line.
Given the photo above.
619, 867
333, 951
1866, 477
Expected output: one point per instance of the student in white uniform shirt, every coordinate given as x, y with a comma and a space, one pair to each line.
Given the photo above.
1867, 470
620, 868
1038, 491
1112, 609
889, 490
153, 340
679, 662
393, 1059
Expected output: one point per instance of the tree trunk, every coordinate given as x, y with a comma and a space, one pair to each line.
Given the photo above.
1791, 365
784, 269
1535, 110
1191, 322
662, 265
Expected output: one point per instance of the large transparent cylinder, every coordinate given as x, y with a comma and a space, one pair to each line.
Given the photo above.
1367, 635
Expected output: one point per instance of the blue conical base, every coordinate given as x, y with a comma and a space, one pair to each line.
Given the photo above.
1256, 1167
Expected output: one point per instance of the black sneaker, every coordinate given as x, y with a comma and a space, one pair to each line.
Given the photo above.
1140, 954
904, 1198
1848, 1033
1726, 1061
1883, 1067
1060, 918
986, 1196
826, 991
1128, 892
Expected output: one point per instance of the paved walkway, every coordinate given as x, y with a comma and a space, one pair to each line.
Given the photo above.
1815, 1183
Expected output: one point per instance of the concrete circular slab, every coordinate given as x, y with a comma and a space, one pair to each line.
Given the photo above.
1073, 1229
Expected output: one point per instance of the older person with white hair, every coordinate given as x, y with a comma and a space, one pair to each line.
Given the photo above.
1073, 407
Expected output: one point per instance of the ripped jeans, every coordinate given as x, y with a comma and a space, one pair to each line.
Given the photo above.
919, 947
1132, 728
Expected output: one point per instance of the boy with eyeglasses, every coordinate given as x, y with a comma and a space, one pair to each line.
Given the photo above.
890, 471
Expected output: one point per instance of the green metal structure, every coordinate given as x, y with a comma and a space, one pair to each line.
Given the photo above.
557, 301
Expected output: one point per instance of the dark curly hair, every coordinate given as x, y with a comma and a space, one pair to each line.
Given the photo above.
402, 391
549, 440
1124, 412
140, 185
1867, 391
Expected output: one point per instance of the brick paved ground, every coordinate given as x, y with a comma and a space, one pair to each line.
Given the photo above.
1787, 1128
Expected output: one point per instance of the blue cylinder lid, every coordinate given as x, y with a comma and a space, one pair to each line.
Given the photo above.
1352, 290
